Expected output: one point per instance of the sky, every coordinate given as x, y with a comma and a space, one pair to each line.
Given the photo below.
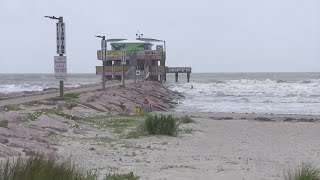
208, 35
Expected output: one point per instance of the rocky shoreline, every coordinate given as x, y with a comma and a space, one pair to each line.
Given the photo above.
20, 135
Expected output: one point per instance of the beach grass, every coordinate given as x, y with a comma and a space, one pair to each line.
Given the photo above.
53, 135
117, 123
139, 131
70, 96
306, 172
128, 176
161, 125
10, 107
35, 115
4, 124
37, 167
186, 120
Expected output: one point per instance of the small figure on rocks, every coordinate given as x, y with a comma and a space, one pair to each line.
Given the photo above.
137, 109
146, 105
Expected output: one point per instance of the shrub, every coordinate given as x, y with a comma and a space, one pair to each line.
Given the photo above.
128, 176
37, 167
305, 172
164, 125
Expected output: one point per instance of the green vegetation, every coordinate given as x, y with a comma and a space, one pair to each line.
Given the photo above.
117, 123
10, 107
35, 115
305, 172
163, 125
72, 105
53, 135
128, 176
186, 130
37, 167
70, 96
186, 120
138, 132
4, 124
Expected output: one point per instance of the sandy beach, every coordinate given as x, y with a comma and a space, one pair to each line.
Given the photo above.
216, 146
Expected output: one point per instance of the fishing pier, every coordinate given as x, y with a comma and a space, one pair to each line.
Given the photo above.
138, 59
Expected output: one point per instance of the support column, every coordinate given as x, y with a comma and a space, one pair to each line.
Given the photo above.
103, 75
188, 77
109, 63
177, 76
134, 73
61, 89
61, 85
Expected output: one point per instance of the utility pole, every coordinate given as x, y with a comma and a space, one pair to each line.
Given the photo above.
103, 59
104, 56
60, 62
123, 62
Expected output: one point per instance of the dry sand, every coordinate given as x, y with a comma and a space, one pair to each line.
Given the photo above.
218, 146
216, 149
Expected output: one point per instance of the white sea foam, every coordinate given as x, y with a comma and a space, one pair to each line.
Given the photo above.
9, 88
251, 96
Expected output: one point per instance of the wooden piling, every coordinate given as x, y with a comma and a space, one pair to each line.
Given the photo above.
177, 76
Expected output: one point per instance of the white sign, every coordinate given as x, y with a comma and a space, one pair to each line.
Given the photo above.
61, 38
60, 67
138, 73
103, 50
123, 57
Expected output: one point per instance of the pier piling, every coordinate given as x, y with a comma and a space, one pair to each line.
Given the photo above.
188, 77
177, 76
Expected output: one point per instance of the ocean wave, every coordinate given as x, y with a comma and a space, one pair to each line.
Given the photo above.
9, 88
246, 95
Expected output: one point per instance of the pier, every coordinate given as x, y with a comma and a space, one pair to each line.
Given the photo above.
177, 70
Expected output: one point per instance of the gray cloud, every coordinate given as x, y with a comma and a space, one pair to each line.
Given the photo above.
210, 36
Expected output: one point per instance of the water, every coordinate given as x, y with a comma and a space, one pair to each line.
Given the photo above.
286, 93
38, 82
293, 93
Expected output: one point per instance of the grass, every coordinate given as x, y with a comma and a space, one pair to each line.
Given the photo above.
117, 123
70, 96
37, 167
128, 176
186, 130
305, 172
53, 135
35, 115
162, 125
72, 105
4, 124
186, 120
10, 107
136, 133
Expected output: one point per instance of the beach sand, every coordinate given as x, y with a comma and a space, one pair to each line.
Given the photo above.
217, 146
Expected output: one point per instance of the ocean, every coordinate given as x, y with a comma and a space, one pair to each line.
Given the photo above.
281, 93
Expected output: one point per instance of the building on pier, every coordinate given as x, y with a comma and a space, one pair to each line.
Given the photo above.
144, 60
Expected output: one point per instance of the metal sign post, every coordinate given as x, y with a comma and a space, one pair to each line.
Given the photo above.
60, 62
61, 49
123, 62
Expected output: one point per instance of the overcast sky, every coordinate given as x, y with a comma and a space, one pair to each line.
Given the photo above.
208, 35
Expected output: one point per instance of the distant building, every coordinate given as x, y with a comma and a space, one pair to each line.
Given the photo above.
143, 60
